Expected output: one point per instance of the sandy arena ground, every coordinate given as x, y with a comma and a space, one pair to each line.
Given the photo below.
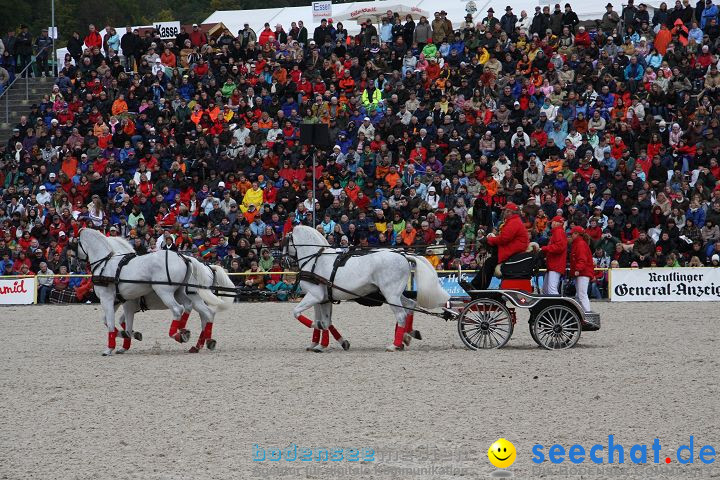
160, 413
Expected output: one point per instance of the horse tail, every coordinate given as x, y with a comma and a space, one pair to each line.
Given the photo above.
429, 292
205, 294
222, 279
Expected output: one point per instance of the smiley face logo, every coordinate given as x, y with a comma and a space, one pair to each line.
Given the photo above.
502, 453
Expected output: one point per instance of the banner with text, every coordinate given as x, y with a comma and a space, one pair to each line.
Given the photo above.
321, 10
17, 291
167, 30
665, 285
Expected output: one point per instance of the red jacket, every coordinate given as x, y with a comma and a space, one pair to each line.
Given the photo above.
513, 238
556, 251
581, 258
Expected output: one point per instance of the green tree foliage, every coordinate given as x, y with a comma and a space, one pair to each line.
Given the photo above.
78, 14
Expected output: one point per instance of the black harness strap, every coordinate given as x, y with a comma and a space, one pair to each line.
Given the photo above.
123, 261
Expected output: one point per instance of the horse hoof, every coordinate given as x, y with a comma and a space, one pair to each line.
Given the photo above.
183, 336
416, 334
407, 338
395, 348
345, 345
120, 351
137, 336
108, 352
311, 348
193, 350
211, 343
318, 349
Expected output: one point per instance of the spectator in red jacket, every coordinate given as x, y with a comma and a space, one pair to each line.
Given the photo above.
197, 36
581, 265
93, 38
555, 256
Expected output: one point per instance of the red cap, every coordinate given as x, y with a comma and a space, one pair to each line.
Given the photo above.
558, 218
511, 206
577, 229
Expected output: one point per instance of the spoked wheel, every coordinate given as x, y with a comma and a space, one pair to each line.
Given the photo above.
557, 327
485, 324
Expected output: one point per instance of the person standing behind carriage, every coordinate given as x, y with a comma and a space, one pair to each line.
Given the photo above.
512, 238
581, 265
555, 256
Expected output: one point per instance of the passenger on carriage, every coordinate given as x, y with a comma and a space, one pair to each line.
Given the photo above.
512, 238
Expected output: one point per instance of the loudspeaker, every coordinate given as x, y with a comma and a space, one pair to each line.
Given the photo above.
316, 134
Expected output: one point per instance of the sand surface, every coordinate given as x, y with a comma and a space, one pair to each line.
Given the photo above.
161, 413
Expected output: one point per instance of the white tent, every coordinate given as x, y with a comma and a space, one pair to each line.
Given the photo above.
235, 19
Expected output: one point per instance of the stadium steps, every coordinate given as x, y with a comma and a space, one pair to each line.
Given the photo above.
18, 106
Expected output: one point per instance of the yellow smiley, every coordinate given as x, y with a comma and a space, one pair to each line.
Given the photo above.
502, 453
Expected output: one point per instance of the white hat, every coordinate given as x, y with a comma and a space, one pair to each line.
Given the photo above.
221, 184
42, 187
337, 146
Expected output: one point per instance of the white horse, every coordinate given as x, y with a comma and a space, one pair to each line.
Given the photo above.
208, 276
383, 271
159, 272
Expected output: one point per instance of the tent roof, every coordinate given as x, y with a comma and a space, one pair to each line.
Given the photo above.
235, 19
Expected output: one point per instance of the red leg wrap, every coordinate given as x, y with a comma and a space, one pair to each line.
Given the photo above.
325, 339
399, 332
316, 335
126, 341
207, 333
409, 322
305, 321
174, 327
111, 339
336, 335
184, 319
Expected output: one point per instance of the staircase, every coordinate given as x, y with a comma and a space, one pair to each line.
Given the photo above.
18, 106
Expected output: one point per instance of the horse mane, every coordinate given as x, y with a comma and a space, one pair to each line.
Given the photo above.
115, 244
120, 245
321, 241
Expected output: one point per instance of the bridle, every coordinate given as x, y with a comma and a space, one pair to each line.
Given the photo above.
294, 261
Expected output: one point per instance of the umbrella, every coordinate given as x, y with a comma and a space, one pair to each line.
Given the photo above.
376, 13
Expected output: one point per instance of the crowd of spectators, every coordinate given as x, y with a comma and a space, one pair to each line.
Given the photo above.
193, 143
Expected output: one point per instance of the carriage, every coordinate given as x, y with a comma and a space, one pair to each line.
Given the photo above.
487, 318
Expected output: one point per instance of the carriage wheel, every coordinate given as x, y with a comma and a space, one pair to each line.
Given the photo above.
485, 324
557, 327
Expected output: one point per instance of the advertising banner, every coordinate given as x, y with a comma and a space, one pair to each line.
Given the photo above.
17, 290
665, 285
321, 10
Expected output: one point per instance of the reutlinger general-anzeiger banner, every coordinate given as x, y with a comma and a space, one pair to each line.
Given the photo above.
665, 285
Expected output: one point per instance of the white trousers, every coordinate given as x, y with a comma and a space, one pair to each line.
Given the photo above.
581, 288
551, 284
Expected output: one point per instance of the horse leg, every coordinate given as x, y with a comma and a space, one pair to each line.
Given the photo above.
207, 316
316, 333
345, 344
108, 305
168, 298
323, 315
308, 301
410, 333
126, 322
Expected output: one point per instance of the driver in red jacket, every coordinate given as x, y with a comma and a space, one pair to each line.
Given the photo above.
512, 238
555, 256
